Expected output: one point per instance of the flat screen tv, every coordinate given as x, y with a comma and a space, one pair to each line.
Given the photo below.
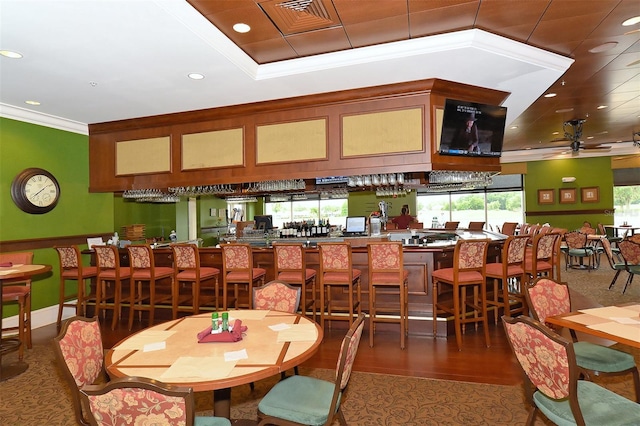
356, 225
472, 129
264, 222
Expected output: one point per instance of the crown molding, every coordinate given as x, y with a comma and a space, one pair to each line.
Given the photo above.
21, 114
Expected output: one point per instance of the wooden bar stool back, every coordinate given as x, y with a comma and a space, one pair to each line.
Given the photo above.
187, 270
469, 270
144, 277
508, 277
336, 270
387, 274
541, 258
110, 277
18, 290
72, 269
237, 269
290, 267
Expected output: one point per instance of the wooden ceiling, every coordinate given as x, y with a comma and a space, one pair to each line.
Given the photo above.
610, 76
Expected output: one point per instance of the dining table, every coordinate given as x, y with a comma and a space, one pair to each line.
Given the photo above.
8, 345
620, 323
626, 230
173, 352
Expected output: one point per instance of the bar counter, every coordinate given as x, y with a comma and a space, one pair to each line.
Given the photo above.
420, 259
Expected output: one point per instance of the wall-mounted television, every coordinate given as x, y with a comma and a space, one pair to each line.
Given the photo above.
472, 129
264, 222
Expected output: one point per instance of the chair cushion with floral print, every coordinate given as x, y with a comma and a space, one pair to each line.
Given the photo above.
277, 296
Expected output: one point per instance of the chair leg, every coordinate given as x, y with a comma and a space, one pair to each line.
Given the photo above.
457, 315
372, 312
21, 325
61, 303
117, 289
27, 320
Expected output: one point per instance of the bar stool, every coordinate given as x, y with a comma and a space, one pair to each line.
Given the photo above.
187, 269
290, 262
540, 259
387, 273
237, 269
336, 269
510, 273
469, 265
19, 291
109, 271
144, 270
71, 269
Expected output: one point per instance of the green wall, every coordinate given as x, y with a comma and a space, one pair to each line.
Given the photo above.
159, 218
65, 155
589, 172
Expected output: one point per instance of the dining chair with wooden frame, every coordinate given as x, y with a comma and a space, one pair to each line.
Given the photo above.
188, 271
508, 277
18, 290
541, 257
290, 261
237, 270
546, 298
468, 271
110, 271
630, 251
72, 269
387, 274
336, 270
551, 379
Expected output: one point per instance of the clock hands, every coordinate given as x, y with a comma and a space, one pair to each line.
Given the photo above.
41, 189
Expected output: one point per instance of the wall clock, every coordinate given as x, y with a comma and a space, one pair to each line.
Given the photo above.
35, 191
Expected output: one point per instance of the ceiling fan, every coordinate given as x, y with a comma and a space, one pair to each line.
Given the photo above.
573, 134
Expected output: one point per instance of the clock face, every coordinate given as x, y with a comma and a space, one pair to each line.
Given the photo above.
41, 191
35, 191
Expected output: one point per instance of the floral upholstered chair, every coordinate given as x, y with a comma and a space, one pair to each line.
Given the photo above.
290, 267
72, 269
80, 355
110, 271
187, 269
630, 251
304, 400
548, 298
142, 401
551, 380
468, 272
237, 270
578, 248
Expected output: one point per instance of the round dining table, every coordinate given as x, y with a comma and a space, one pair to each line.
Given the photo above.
170, 352
8, 345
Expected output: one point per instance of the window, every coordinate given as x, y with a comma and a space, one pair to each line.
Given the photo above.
626, 201
334, 210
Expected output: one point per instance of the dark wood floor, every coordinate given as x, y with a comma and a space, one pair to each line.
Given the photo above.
422, 357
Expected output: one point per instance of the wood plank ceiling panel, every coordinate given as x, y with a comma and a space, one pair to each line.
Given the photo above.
370, 22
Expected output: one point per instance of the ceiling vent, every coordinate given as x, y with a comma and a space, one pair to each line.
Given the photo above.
299, 16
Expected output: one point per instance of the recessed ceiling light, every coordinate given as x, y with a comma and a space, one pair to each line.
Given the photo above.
514, 127
589, 137
196, 76
550, 95
603, 47
634, 63
564, 110
241, 28
10, 54
555, 133
602, 106
32, 102
631, 21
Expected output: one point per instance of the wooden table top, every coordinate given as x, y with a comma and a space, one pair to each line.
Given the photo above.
617, 323
265, 354
22, 271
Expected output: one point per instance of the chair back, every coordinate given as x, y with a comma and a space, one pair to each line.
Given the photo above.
237, 257
546, 359
608, 251
546, 298
348, 351
138, 400
185, 256
545, 229
140, 257
470, 255
278, 296
476, 226
575, 239
508, 228
543, 246
335, 257
69, 257
635, 238
80, 355
515, 249
107, 257
288, 257
451, 225
630, 252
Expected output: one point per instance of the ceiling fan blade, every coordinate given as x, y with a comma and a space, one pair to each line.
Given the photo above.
598, 148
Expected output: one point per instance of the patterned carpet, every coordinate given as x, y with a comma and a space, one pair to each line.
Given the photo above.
40, 397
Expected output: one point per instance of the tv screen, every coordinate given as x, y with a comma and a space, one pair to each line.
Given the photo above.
356, 224
264, 222
472, 129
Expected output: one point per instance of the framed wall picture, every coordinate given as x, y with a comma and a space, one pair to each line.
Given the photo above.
590, 194
545, 196
567, 195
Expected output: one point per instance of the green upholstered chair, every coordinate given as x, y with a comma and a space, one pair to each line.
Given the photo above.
630, 251
138, 400
548, 298
303, 400
578, 249
551, 382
